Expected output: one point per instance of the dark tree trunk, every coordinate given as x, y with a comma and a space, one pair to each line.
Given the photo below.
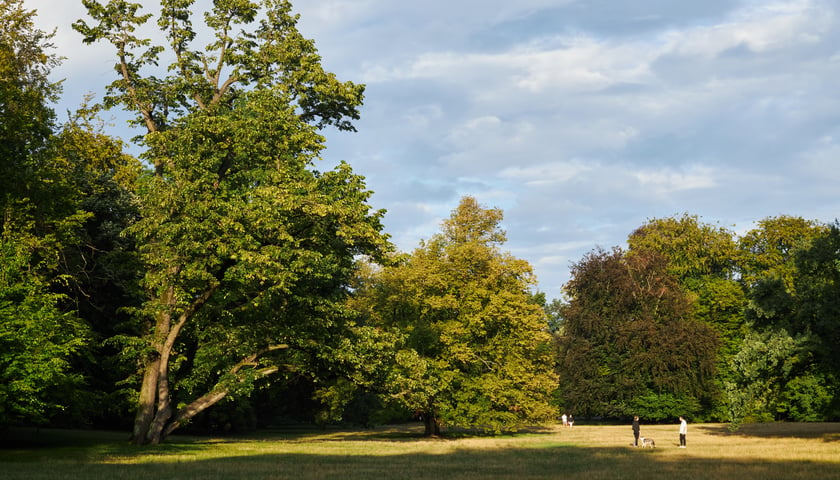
432, 424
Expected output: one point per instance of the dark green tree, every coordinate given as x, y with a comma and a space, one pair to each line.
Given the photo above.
247, 249
817, 288
101, 268
39, 334
630, 340
767, 264
779, 372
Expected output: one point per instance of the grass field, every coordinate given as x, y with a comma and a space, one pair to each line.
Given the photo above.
784, 451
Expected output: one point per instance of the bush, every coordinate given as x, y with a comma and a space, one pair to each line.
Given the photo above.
658, 407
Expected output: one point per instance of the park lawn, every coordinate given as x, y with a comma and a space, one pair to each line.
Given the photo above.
756, 451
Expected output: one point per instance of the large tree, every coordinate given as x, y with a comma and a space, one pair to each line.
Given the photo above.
817, 287
630, 340
703, 258
767, 252
475, 350
768, 268
26, 119
778, 373
101, 267
817, 315
247, 248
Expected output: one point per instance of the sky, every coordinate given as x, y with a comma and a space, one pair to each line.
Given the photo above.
580, 119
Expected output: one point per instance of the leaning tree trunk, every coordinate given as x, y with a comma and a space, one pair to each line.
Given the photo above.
154, 413
165, 420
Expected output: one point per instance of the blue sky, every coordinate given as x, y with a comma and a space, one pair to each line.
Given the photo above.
581, 119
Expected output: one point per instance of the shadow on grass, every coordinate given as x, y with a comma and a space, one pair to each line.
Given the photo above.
187, 459
521, 464
827, 432
395, 433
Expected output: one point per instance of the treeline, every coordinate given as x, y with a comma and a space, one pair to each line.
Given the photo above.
694, 320
222, 281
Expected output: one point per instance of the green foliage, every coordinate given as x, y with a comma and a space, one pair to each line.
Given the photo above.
807, 398
817, 298
474, 350
703, 258
39, 220
761, 370
26, 120
694, 249
37, 340
768, 251
254, 46
660, 407
790, 267
629, 333
247, 249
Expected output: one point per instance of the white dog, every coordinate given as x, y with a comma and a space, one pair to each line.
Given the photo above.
647, 442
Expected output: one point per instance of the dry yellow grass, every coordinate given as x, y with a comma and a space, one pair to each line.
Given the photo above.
761, 451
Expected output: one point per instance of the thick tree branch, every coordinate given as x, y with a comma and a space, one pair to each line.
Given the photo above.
219, 391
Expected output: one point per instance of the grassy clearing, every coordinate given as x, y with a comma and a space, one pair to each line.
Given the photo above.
761, 451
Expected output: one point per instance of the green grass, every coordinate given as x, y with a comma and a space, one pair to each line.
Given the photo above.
760, 451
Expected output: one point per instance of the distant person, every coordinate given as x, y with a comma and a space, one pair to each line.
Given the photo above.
571, 421
683, 431
565, 420
636, 430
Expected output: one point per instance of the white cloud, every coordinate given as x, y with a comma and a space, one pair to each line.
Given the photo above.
581, 123
760, 27
550, 174
669, 181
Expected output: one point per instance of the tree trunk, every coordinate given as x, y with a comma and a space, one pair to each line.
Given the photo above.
432, 424
153, 409
154, 391
155, 428
149, 400
146, 402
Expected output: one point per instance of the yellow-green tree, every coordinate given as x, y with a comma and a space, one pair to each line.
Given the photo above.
475, 348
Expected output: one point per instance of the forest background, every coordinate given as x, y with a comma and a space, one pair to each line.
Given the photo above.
220, 281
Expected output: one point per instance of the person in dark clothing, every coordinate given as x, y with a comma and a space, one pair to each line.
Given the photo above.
636, 431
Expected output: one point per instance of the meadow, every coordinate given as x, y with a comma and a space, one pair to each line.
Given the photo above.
786, 451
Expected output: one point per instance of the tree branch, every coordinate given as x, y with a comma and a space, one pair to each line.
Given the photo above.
219, 392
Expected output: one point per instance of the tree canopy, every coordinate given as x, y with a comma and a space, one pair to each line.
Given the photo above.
475, 350
246, 248
39, 217
630, 340
224, 269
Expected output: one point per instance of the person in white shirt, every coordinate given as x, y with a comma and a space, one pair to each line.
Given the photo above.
683, 431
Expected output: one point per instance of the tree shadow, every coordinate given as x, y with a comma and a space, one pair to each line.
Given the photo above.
566, 462
395, 433
826, 431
